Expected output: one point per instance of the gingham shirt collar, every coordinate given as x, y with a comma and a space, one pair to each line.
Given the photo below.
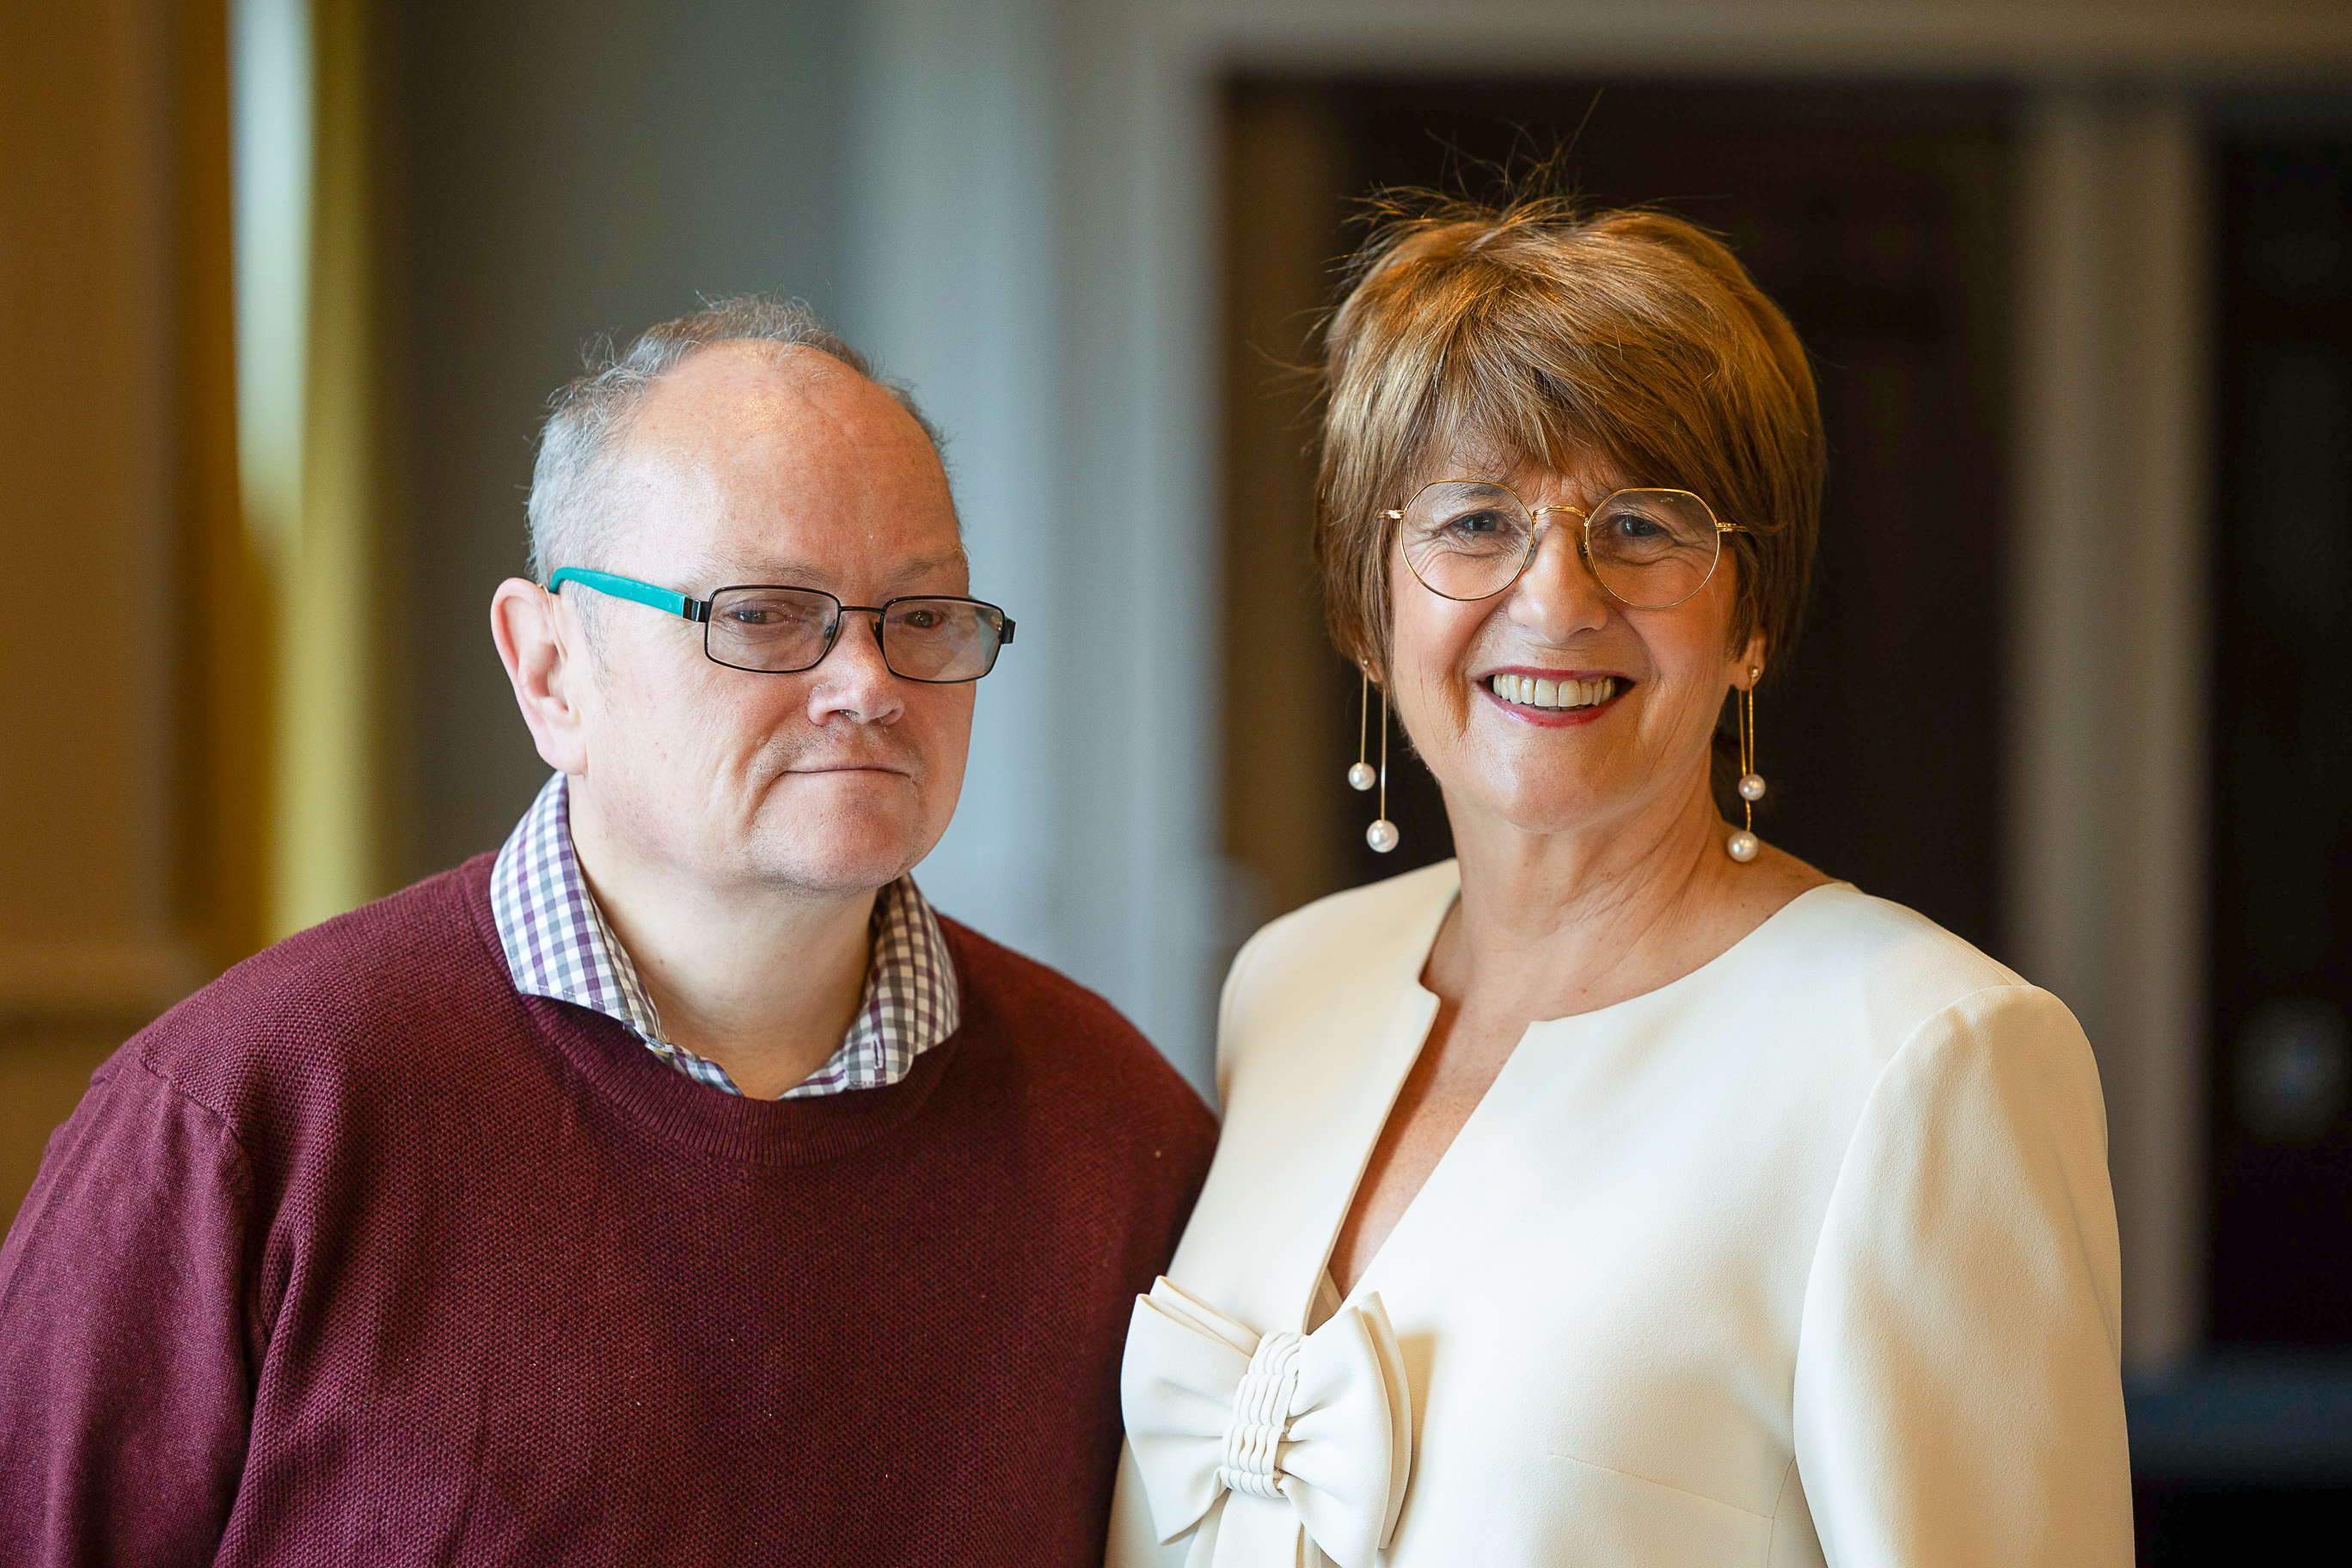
558, 946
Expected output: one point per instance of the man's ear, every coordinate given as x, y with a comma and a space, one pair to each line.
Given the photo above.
528, 623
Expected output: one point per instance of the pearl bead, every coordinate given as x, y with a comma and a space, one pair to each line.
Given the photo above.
1381, 836
1742, 846
1751, 787
1362, 776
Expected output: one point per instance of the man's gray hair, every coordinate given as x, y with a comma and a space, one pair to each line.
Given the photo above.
588, 419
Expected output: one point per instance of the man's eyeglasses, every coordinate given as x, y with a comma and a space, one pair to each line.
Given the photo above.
771, 630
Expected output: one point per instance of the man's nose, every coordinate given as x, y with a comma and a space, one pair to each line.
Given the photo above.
1556, 596
854, 682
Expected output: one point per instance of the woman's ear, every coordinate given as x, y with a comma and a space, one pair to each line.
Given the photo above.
1751, 664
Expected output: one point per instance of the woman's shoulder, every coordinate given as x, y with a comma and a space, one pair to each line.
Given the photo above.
1367, 938
1335, 935
1843, 1001
1344, 920
1840, 928
1886, 968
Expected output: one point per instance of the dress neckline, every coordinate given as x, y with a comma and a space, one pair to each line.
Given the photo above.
1327, 1297
1687, 978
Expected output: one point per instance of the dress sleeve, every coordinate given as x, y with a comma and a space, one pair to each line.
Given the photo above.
1959, 1395
125, 1393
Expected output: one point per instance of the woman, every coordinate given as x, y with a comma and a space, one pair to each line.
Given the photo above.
1624, 1191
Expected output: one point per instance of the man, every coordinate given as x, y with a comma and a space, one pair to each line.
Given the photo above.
676, 1186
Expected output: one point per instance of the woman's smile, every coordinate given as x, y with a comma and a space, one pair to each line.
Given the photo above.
1552, 698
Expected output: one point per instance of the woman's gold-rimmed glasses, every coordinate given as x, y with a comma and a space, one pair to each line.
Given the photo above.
1648, 548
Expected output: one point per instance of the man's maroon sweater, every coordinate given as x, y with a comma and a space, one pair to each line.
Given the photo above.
360, 1257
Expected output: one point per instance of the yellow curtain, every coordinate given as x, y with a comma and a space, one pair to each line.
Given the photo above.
333, 805
225, 730
312, 451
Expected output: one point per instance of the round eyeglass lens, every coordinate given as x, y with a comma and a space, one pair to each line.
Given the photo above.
941, 639
776, 630
1466, 540
1652, 548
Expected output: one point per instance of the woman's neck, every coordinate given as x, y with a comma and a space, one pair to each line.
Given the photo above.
1554, 924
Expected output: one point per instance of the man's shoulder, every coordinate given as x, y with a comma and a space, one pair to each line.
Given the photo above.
396, 953
1073, 1033
317, 1008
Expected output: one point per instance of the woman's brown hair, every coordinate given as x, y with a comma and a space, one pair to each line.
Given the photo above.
1630, 337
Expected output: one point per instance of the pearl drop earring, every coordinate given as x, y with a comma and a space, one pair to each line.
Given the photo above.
1382, 834
1360, 776
1743, 843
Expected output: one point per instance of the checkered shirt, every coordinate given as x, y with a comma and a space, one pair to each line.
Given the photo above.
559, 946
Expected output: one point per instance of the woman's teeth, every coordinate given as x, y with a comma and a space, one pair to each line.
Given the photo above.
1535, 693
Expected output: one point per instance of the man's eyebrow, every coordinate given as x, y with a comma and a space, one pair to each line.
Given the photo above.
924, 565
774, 570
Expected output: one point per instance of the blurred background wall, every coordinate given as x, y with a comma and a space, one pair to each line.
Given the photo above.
285, 285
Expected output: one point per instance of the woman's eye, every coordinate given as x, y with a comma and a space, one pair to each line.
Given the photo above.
750, 615
1478, 522
1635, 526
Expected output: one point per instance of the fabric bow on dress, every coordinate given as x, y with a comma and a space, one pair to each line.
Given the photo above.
1276, 1445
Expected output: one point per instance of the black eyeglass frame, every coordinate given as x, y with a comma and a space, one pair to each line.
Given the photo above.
698, 611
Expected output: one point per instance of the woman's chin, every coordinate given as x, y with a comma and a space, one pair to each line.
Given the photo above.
1536, 795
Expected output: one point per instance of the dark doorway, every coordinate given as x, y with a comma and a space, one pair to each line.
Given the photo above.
2282, 976
2195, 1527
1880, 220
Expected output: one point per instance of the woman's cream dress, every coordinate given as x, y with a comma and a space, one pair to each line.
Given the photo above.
1807, 1257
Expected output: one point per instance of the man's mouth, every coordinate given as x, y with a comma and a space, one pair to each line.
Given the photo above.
1553, 692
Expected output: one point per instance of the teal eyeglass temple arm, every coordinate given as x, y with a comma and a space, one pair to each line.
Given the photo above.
677, 603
